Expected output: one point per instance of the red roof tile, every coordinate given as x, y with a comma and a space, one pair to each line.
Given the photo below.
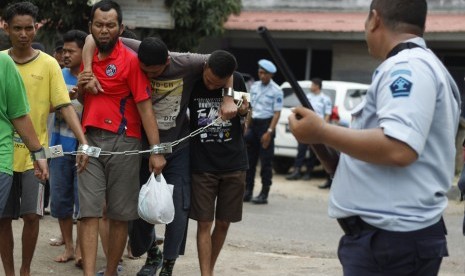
330, 21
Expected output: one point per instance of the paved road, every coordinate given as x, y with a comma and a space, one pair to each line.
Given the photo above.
292, 235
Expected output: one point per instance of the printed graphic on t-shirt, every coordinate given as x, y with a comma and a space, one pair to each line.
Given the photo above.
18, 142
207, 112
166, 101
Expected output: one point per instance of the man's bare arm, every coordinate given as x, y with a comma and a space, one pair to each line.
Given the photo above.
25, 129
88, 82
71, 118
131, 43
149, 122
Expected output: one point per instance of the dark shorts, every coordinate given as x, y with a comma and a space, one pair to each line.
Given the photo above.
64, 188
226, 189
111, 179
26, 196
5, 186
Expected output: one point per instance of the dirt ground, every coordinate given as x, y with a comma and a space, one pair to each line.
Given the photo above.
258, 245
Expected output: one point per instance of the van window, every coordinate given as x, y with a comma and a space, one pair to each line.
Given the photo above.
291, 100
353, 98
288, 91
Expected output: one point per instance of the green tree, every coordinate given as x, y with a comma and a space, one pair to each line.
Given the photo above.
194, 19
58, 16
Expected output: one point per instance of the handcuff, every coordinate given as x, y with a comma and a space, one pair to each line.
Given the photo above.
38, 154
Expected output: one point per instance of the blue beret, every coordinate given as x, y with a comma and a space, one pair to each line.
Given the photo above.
267, 66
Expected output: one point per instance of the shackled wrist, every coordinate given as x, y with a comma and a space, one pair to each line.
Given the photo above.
83, 148
228, 91
155, 149
163, 148
38, 154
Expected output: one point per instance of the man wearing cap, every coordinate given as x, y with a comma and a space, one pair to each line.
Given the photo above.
267, 102
58, 52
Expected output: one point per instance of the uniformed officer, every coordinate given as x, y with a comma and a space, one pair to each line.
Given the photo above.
267, 102
397, 161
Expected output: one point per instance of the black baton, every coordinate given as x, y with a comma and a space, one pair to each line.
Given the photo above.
327, 156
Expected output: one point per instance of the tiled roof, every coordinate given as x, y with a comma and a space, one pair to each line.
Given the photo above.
330, 21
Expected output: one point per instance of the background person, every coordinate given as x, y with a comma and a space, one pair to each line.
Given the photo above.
322, 105
397, 159
267, 102
63, 172
58, 52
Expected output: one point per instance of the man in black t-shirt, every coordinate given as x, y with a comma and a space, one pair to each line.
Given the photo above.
218, 159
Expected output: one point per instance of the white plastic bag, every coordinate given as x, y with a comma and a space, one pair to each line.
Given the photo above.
156, 201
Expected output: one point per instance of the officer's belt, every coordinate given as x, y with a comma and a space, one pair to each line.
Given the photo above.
354, 225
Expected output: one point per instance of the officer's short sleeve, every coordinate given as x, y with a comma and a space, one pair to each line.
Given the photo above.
406, 102
278, 99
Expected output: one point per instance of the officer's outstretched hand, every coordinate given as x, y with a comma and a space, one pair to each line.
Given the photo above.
306, 126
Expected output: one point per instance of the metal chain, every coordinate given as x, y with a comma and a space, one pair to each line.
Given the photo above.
172, 144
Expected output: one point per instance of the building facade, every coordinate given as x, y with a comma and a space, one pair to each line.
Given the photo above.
325, 38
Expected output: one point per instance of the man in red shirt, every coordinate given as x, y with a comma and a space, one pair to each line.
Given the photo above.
112, 120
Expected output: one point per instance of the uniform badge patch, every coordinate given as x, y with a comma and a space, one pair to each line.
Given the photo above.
110, 70
401, 87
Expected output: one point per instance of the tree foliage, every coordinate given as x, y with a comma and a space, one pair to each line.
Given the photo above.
194, 19
58, 16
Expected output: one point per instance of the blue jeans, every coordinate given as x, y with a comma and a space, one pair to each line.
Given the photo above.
64, 187
256, 151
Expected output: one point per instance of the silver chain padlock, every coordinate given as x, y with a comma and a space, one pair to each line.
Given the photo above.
89, 151
54, 151
162, 148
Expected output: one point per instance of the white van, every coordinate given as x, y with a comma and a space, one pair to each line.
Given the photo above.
344, 96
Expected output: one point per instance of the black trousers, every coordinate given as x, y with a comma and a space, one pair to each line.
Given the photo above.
376, 252
256, 152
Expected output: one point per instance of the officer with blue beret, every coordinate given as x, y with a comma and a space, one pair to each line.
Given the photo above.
267, 65
267, 102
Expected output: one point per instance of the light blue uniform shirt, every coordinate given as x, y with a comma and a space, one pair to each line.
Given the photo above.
321, 104
265, 99
415, 100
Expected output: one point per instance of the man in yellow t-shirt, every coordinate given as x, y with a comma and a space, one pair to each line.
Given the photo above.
45, 88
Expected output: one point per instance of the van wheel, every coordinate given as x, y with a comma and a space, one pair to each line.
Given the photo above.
281, 165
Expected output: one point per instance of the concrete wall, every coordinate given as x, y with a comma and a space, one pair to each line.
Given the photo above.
351, 62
